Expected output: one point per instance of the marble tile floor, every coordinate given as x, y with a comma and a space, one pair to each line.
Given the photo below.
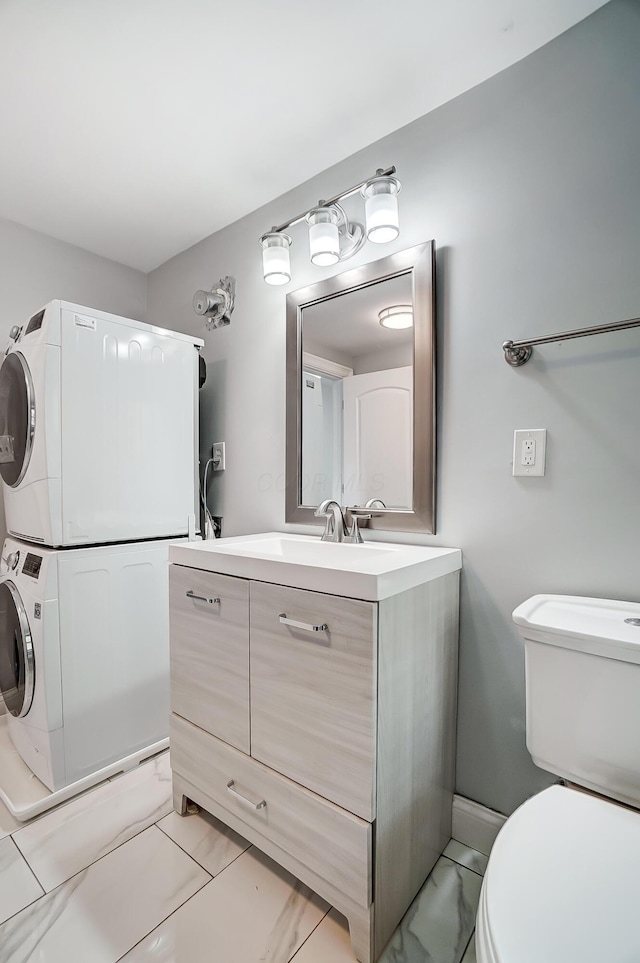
115, 875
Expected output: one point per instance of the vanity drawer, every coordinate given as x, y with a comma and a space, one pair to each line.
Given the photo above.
210, 652
331, 842
313, 693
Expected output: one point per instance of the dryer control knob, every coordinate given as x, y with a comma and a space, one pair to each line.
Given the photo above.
12, 560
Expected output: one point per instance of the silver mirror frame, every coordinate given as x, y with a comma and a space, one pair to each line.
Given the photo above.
420, 261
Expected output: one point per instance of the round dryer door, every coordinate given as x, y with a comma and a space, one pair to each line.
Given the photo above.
17, 665
17, 418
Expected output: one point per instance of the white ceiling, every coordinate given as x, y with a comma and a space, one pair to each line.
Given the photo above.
134, 128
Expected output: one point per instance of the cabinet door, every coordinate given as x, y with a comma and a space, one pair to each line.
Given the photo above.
313, 693
210, 652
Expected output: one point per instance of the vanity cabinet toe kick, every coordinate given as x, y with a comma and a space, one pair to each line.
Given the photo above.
321, 729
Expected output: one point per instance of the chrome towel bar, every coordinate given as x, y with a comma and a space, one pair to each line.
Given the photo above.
517, 353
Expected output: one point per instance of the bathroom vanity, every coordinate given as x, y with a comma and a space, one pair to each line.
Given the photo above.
313, 693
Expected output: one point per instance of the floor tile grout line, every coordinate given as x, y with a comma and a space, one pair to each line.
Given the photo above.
97, 860
31, 902
464, 865
472, 937
213, 875
168, 917
308, 937
205, 883
291, 958
26, 906
38, 880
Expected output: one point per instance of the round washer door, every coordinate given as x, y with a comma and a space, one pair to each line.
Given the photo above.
17, 418
17, 662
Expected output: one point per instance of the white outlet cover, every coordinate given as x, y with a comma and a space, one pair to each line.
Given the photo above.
539, 435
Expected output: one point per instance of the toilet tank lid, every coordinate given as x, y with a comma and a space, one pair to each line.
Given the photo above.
596, 626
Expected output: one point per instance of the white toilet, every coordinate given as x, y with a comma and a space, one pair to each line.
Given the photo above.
563, 878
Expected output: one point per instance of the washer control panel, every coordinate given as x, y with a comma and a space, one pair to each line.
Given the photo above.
32, 565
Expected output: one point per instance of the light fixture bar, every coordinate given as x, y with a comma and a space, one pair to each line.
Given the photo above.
332, 200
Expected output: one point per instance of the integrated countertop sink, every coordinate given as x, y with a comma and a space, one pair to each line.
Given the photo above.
371, 571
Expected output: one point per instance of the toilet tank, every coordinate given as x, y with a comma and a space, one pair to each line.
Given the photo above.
582, 667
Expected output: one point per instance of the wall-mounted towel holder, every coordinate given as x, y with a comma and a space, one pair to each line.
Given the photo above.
517, 353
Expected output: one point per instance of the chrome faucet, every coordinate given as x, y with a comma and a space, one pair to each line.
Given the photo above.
334, 529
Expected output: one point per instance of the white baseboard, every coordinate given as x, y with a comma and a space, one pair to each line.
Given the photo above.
475, 825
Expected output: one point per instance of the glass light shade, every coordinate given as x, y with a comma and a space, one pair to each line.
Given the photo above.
397, 316
324, 240
381, 209
276, 264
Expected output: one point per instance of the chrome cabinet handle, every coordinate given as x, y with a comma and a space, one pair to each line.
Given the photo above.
202, 598
303, 625
248, 802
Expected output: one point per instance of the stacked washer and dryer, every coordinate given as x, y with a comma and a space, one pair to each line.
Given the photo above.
98, 458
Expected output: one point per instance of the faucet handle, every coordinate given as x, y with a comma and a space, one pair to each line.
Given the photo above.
355, 535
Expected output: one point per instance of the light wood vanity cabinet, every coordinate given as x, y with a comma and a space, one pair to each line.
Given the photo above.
313, 694
209, 662
331, 750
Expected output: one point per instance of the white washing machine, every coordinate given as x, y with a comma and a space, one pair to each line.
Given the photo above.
84, 654
98, 429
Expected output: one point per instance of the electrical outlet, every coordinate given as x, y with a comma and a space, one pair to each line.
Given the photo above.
529, 450
218, 455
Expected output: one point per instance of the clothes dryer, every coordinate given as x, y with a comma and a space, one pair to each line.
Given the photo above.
84, 654
98, 429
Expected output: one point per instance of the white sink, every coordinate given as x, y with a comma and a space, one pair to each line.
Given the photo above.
371, 571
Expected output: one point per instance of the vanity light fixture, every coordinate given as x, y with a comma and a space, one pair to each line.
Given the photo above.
397, 316
324, 239
332, 236
276, 264
381, 208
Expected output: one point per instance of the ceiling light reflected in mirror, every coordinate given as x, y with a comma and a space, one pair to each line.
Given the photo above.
397, 316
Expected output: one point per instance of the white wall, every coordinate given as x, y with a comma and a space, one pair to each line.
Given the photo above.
530, 185
35, 268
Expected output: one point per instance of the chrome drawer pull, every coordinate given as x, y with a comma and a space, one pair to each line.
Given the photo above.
303, 625
248, 802
202, 598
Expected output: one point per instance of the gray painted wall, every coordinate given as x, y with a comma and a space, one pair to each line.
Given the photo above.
530, 185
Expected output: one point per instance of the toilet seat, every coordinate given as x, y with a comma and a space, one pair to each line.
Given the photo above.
562, 883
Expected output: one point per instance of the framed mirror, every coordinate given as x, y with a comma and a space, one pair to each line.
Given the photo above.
360, 410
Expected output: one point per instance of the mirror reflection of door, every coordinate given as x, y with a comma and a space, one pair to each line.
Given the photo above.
357, 396
378, 442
